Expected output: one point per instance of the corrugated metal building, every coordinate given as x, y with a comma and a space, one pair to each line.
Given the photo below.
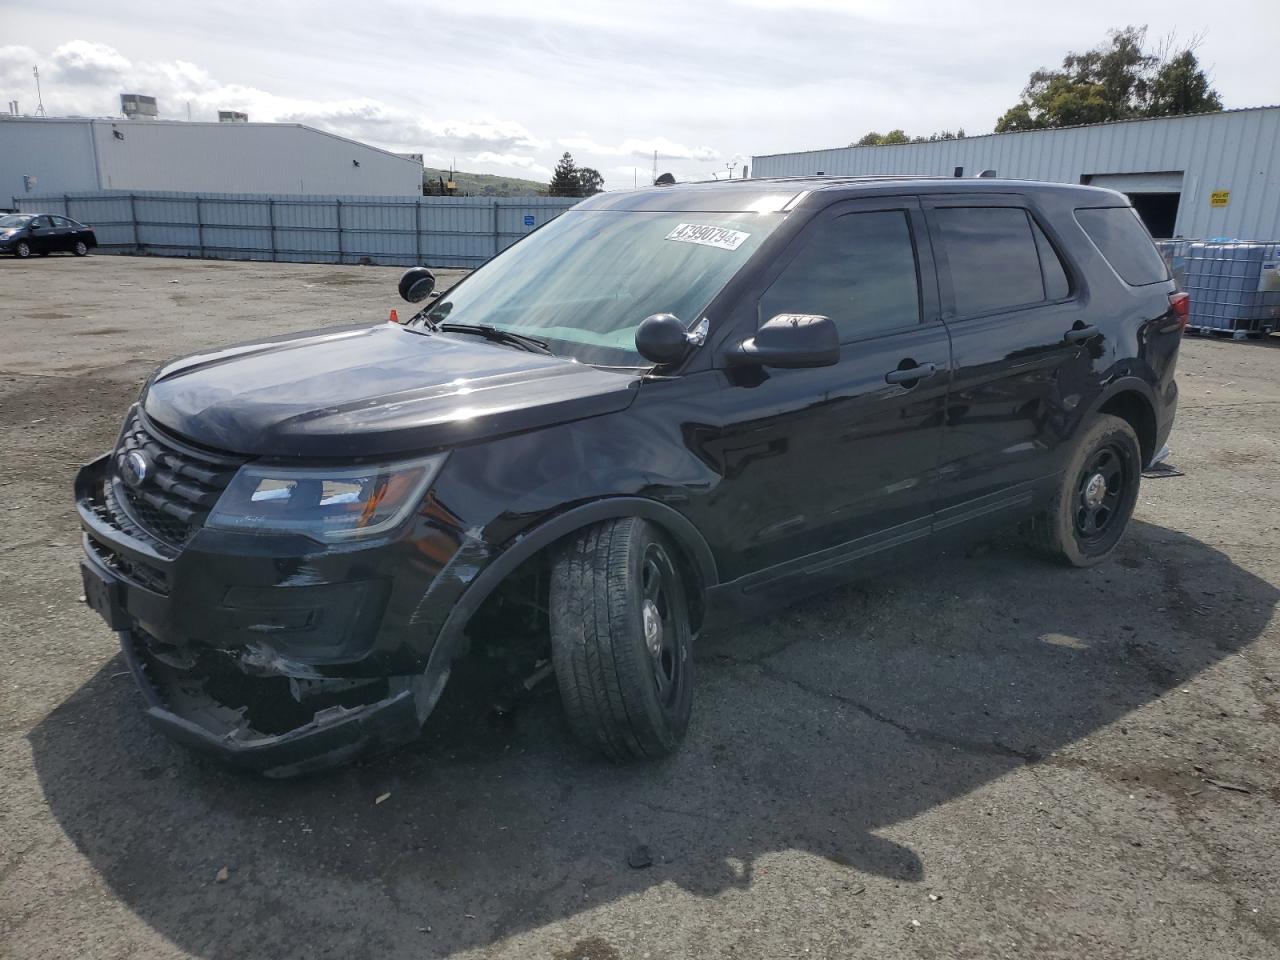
69, 155
1209, 175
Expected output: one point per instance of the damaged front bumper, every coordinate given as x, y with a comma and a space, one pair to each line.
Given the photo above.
333, 736
274, 653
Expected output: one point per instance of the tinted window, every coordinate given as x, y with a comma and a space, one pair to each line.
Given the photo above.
992, 258
1055, 275
858, 269
1120, 237
61, 222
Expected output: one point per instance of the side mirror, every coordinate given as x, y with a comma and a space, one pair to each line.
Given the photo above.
790, 340
416, 284
662, 338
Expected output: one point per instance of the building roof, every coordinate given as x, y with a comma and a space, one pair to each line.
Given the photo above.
1014, 133
178, 124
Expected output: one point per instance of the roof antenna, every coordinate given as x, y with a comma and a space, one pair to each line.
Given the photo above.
39, 96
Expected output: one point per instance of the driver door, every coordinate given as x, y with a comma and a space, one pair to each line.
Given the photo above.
41, 235
831, 465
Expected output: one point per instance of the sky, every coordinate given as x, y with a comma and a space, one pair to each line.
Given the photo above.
507, 86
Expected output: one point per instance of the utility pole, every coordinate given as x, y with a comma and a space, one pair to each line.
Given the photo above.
39, 96
655, 166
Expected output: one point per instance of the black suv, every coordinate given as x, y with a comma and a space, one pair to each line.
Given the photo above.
663, 410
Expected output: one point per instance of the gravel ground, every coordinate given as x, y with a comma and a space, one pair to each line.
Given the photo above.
983, 756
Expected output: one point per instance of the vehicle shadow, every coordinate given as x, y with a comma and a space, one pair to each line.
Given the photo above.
814, 731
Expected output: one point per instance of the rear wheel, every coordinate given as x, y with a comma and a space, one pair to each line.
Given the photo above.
22, 250
1095, 497
620, 634
80, 249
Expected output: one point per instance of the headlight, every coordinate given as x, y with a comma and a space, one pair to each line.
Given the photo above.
326, 504
6, 234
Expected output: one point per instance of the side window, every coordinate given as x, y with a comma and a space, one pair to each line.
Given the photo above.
992, 257
1120, 237
858, 269
61, 222
1055, 274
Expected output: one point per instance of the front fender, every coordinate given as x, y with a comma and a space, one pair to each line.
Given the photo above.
478, 567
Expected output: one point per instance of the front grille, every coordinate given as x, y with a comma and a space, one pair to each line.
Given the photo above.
181, 487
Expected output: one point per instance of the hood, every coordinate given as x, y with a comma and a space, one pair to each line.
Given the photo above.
371, 392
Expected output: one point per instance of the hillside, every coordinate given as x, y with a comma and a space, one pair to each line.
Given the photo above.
485, 184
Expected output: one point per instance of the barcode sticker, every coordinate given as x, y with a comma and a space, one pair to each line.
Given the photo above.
708, 236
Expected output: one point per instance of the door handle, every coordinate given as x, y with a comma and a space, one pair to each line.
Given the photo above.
911, 374
1081, 334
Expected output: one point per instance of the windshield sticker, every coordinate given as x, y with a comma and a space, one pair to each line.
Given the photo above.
708, 236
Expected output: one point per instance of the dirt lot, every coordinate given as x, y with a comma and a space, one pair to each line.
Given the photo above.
982, 757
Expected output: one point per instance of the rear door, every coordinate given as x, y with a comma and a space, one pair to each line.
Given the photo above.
828, 465
1023, 350
66, 233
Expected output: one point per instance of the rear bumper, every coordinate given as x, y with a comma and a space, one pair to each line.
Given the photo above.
1165, 416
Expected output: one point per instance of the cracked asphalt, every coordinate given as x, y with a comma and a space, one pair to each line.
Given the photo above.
980, 756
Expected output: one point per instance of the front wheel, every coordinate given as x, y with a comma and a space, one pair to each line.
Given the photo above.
1095, 498
620, 638
22, 250
80, 249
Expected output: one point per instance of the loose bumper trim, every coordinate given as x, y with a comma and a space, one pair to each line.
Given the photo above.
333, 737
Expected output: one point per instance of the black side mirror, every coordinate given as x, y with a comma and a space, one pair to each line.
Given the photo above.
662, 338
790, 340
416, 284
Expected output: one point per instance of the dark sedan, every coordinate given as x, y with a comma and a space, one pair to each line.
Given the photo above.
23, 234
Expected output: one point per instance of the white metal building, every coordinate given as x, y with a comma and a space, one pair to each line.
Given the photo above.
68, 155
1202, 176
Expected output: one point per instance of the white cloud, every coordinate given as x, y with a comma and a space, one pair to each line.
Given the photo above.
521, 162
82, 61
635, 147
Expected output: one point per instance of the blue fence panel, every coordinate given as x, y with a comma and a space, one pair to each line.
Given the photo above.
437, 231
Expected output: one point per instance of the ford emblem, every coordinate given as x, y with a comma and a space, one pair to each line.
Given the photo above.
136, 468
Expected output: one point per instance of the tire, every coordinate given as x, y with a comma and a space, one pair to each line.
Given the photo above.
1095, 497
627, 692
22, 250
81, 249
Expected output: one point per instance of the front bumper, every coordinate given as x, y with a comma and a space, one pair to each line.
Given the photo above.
276, 653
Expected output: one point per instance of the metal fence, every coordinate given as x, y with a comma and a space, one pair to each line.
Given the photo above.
436, 231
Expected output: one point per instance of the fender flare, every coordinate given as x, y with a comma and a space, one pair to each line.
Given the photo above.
450, 640
1126, 384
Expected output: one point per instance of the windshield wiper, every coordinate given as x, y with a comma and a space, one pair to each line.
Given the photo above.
497, 335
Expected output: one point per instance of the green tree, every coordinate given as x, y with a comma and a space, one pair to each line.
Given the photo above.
1116, 81
874, 139
589, 182
1180, 86
564, 179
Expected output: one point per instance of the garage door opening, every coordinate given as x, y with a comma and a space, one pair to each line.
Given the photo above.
1154, 195
1159, 211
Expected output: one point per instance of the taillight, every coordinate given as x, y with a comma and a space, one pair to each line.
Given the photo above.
1180, 304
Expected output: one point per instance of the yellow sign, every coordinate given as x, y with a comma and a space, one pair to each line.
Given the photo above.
1219, 198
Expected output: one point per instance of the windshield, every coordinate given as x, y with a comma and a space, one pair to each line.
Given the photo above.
585, 281
13, 220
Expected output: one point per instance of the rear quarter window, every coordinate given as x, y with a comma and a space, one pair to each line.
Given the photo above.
1125, 244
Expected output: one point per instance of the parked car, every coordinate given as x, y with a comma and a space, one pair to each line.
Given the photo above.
23, 234
663, 411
